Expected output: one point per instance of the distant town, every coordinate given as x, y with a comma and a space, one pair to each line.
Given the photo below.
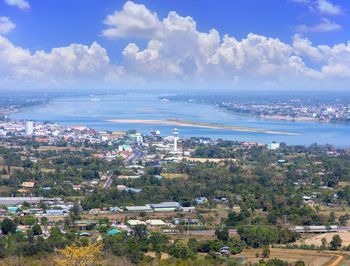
294, 108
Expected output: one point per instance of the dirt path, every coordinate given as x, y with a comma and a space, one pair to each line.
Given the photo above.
337, 261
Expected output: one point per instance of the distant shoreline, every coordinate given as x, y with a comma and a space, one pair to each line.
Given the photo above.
190, 123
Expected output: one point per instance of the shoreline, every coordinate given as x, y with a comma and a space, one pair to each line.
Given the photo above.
189, 123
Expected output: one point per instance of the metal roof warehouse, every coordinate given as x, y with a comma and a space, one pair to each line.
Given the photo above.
19, 200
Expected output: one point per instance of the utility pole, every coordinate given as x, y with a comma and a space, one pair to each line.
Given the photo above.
285, 220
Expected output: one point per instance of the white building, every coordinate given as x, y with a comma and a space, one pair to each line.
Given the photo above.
29, 128
273, 146
176, 138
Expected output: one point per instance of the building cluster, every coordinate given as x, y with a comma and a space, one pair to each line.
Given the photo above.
293, 110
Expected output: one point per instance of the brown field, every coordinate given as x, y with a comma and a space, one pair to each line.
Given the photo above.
46, 170
310, 257
316, 239
344, 183
135, 215
54, 148
153, 255
172, 176
199, 237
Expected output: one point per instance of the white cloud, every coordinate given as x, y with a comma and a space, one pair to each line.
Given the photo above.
303, 47
6, 25
339, 62
175, 51
325, 26
133, 20
70, 63
22, 4
326, 7
336, 59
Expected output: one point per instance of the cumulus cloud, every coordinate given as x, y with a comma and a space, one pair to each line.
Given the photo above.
326, 7
176, 50
336, 59
325, 26
73, 62
6, 25
22, 4
302, 46
133, 20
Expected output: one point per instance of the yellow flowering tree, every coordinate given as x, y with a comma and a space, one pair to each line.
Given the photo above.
79, 256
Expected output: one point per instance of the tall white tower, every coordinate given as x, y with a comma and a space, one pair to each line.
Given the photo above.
29, 128
176, 137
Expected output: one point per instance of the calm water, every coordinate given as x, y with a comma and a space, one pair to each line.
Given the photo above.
82, 110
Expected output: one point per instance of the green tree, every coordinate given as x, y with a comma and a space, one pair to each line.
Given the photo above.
36, 230
180, 250
336, 242
266, 252
222, 235
8, 226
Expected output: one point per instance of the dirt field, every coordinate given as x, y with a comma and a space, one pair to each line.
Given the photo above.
171, 176
316, 239
310, 257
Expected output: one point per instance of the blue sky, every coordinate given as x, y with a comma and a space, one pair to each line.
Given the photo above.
240, 43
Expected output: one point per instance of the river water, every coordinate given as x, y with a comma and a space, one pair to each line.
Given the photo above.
92, 111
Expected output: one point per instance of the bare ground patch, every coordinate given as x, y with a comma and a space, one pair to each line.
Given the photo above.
310, 257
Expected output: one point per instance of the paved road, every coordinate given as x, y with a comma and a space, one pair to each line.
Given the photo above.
109, 182
136, 155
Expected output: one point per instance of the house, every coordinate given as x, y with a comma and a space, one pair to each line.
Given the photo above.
224, 251
113, 232
29, 184
77, 187
13, 209
201, 200
36, 210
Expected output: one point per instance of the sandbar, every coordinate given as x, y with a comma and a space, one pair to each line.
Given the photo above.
190, 123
